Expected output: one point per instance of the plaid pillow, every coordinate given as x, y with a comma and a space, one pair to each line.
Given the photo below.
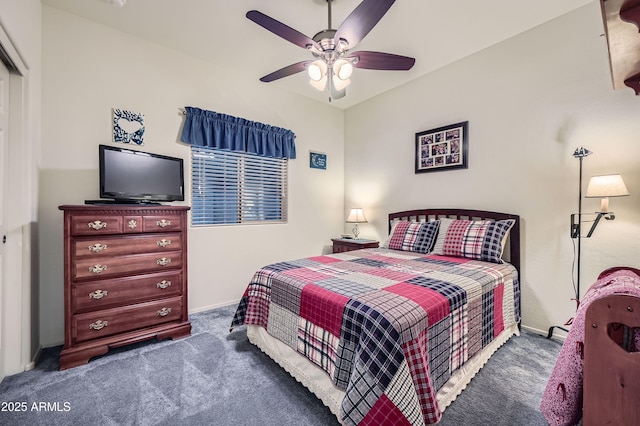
413, 236
473, 239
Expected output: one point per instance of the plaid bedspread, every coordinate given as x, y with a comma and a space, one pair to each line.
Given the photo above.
389, 327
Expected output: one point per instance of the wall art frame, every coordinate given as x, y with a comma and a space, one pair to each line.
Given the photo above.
128, 127
443, 148
318, 160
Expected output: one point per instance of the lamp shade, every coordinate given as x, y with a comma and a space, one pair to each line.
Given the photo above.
117, 3
320, 84
356, 216
606, 186
342, 69
340, 84
317, 70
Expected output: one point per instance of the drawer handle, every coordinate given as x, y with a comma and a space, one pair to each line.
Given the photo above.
163, 223
164, 243
97, 247
97, 225
164, 312
98, 294
163, 284
96, 269
98, 325
132, 224
163, 261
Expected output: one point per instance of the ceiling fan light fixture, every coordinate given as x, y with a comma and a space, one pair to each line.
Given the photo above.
342, 69
333, 61
319, 85
317, 70
340, 84
116, 3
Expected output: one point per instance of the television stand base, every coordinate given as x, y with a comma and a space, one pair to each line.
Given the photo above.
121, 202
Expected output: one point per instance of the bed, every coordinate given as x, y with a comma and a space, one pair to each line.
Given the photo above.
596, 378
392, 335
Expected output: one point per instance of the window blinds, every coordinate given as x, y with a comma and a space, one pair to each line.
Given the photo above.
231, 187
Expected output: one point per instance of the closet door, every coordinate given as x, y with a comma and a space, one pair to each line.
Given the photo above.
4, 179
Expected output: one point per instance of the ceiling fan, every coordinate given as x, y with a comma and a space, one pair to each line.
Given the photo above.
331, 48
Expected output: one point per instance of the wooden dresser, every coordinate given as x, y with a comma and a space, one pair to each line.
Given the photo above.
125, 277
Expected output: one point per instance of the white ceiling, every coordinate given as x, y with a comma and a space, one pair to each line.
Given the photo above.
436, 33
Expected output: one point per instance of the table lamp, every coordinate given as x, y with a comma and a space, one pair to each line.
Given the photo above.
356, 216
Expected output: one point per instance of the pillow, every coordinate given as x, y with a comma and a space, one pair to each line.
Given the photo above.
473, 239
412, 236
394, 222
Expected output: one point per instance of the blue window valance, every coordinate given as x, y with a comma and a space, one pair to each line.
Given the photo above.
221, 131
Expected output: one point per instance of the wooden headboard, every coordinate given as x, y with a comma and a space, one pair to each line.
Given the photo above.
512, 250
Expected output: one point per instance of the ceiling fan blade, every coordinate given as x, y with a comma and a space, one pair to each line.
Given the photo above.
286, 71
382, 61
361, 21
281, 30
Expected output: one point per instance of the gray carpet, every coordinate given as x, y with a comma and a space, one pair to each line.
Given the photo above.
218, 378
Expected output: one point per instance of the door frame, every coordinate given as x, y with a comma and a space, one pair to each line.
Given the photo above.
16, 284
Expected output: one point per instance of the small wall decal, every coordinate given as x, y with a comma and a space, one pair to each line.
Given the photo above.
317, 160
128, 127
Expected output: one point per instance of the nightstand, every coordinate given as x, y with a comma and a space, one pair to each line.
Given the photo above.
347, 244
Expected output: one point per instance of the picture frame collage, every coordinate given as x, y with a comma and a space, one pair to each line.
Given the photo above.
443, 148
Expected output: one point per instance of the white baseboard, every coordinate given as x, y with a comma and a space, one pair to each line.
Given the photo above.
210, 307
560, 337
34, 361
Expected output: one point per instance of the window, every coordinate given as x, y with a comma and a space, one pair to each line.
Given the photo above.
237, 187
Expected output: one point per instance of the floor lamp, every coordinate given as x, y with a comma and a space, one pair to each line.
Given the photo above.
599, 187
576, 229
579, 153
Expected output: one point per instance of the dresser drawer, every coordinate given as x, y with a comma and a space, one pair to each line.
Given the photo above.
341, 248
119, 245
94, 325
341, 245
99, 294
96, 225
126, 265
131, 224
120, 224
162, 223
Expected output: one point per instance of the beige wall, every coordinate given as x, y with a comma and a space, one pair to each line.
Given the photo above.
90, 69
530, 102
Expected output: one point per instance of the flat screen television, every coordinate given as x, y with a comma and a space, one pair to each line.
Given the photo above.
128, 176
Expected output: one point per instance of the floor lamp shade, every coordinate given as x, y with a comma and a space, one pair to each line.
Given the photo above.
606, 186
